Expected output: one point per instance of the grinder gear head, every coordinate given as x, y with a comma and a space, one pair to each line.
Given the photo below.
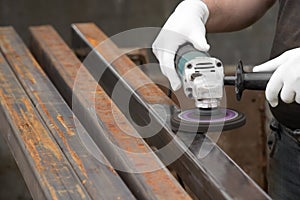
202, 78
203, 81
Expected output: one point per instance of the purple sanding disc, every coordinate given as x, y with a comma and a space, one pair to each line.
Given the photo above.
195, 116
203, 120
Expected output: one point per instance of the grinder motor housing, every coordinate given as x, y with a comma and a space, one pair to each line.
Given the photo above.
201, 75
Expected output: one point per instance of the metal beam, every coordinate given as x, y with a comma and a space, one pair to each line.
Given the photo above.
141, 170
215, 176
45, 169
99, 179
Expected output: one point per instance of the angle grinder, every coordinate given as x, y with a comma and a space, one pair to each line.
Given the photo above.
202, 78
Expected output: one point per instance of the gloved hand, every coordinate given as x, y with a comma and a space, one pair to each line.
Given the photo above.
186, 24
286, 77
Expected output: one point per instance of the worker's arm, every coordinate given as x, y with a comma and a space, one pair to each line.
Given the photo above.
232, 15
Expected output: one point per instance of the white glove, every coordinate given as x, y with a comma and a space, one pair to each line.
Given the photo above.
285, 78
186, 24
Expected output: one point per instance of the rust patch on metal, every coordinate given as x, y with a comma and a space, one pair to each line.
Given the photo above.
161, 182
36, 130
93, 41
39, 146
21, 69
33, 134
79, 189
152, 94
74, 155
63, 123
112, 170
52, 191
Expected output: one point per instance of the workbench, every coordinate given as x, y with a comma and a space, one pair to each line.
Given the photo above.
70, 139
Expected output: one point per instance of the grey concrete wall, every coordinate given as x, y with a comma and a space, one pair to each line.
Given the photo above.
113, 16
252, 45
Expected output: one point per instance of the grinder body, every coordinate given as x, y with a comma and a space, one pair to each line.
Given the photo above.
201, 75
202, 78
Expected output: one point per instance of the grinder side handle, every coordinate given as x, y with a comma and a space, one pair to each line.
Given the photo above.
247, 80
256, 80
